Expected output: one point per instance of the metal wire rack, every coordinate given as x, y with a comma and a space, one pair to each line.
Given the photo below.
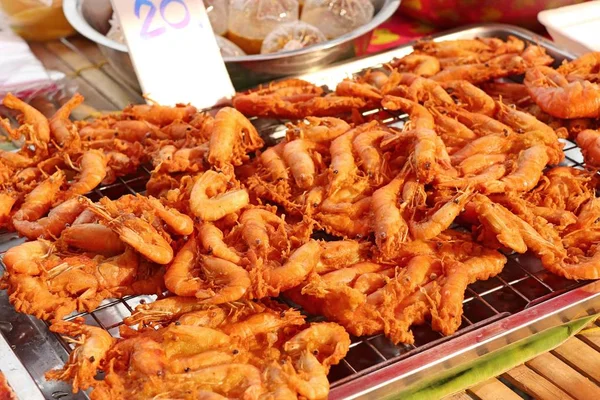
522, 284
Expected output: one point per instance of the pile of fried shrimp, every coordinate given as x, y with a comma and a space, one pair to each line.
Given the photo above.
376, 228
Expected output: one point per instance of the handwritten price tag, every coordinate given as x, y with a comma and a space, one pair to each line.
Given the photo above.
174, 51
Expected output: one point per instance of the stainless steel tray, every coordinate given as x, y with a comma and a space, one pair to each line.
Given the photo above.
523, 300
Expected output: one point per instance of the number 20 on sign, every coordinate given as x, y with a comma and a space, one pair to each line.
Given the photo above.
174, 52
154, 22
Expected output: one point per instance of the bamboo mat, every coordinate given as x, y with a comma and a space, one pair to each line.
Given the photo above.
571, 371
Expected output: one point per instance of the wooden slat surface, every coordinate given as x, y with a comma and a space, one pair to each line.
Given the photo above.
552, 368
459, 396
493, 389
572, 371
92, 96
91, 74
581, 357
535, 385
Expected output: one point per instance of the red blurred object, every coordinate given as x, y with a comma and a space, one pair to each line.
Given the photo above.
401, 28
452, 13
397, 31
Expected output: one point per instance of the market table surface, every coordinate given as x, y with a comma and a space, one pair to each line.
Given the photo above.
571, 371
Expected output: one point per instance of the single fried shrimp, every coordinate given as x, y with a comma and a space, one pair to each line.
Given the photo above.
24, 258
343, 166
493, 216
530, 165
418, 64
92, 167
419, 116
39, 201
296, 155
490, 144
389, 225
134, 231
370, 158
179, 223
441, 219
491, 173
36, 127
348, 87
315, 129
560, 98
327, 340
273, 163
52, 225
85, 360
478, 162
63, 130
233, 135
297, 267
589, 142
338, 254
471, 97
223, 281
208, 201
160, 115
85, 237
211, 239
256, 226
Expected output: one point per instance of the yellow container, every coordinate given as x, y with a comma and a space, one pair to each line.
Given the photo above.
37, 19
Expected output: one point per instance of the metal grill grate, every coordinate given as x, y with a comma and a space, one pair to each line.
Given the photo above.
522, 284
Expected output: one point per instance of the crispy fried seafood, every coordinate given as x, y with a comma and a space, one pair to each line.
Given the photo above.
183, 349
377, 227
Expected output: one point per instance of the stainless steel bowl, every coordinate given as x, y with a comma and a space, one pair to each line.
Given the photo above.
90, 18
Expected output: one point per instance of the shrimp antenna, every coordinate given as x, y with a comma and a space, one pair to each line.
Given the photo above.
149, 99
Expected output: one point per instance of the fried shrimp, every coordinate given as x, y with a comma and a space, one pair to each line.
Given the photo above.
92, 167
256, 226
210, 199
471, 97
38, 202
222, 280
85, 237
36, 127
179, 223
440, 219
370, 158
296, 155
589, 142
315, 129
419, 116
418, 64
343, 165
160, 115
211, 239
134, 231
63, 130
348, 87
389, 225
233, 135
560, 98
51, 226
530, 164
85, 360
273, 163
297, 267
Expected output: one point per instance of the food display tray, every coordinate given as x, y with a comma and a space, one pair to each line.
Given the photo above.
521, 301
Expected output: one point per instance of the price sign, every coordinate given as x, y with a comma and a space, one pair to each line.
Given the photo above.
174, 51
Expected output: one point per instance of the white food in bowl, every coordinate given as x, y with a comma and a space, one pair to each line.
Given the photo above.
337, 17
292, 36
